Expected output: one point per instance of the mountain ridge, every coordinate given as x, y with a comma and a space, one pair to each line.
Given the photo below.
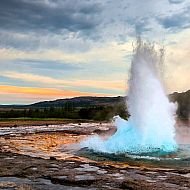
182, 98
90, 100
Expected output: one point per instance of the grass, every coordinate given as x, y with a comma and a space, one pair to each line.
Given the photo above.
31, 118
42, 119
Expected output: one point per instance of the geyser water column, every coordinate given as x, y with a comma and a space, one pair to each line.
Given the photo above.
150, 127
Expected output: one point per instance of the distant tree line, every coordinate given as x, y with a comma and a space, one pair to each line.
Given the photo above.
92, 108
98, 113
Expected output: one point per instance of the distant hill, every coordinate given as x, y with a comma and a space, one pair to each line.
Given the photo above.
83, 101
183, 100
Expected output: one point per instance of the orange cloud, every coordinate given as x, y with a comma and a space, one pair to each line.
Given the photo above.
45, 92
110, 85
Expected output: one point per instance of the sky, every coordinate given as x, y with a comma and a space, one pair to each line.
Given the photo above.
52, 49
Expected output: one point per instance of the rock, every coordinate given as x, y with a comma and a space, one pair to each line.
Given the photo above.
34, 169
52, 158
61, 177
53, 166
101, 172
135, 185
116, 175
69, 162
5, 184
186, 175
9, 158
10, 183
6, 147
54, 169
87, 168
82, 180
85, 177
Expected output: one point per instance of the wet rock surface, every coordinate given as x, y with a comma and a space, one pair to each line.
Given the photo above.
48, 141
25, 168
36, 173
73, 128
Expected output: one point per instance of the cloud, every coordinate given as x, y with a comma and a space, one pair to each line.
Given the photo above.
8, 93
111, 52
177, 21
34, 41
49, 15
77, 26
177, 66
36, 25
41, 91
176, 1
44, 80
48, 64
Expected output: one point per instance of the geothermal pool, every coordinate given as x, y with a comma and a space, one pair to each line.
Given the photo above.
180, 158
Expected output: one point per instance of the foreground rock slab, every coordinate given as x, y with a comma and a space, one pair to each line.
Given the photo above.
24, 172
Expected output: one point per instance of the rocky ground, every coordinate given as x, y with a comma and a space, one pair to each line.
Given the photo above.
27, 169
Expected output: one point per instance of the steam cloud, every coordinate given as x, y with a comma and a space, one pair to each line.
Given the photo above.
151, 125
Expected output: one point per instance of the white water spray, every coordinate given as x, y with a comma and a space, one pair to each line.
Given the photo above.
151, 125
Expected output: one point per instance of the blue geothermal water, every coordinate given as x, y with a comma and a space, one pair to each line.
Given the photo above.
150, 127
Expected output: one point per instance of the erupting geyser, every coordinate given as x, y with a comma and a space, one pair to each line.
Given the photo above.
150, 127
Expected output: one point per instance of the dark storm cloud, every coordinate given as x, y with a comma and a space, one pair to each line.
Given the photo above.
176, 21
23, 15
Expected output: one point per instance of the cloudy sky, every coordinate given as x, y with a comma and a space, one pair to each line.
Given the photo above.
63, 48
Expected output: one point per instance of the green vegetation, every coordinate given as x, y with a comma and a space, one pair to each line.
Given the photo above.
91, 108
33, 119
98, 113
